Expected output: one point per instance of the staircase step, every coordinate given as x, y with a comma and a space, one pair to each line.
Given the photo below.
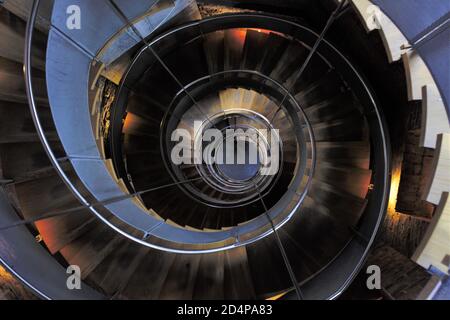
136, 125
340, 130
349, 153
270, 277
12, 84
289, 62
210, 278
353, 180
25, 158
233, 48
148, 279
214, 51
252, 52
342, 205
89, 250
238, 280
20, 126
316, 233
12, 32
181, 279
114, 272
47, 195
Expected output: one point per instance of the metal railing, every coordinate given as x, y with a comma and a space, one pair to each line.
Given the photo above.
92, 206
381, 145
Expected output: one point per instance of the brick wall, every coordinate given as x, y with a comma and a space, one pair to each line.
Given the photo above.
401, 278
416, 167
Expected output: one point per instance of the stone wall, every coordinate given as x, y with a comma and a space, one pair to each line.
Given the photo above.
401, 278
403, 232
416, 167
408, 216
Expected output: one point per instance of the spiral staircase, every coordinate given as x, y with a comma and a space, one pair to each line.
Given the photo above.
86, 168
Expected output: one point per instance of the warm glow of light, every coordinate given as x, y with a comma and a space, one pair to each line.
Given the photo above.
240, 35
130, 121
5, 275
262, 31
48, 228
276, 297
395, 183
265, 31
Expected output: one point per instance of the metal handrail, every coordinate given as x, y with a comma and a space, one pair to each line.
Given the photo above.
55, 163
88, 205
287, 94
53, 159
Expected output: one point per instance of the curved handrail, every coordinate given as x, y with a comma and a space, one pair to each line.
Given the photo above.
80, 197
53, 159
291, 98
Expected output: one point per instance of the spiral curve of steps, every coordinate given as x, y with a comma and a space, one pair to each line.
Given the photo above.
146, 231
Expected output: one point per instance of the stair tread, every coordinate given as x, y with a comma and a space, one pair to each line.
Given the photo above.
113, 274
89, 250
210, 278
238, 280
